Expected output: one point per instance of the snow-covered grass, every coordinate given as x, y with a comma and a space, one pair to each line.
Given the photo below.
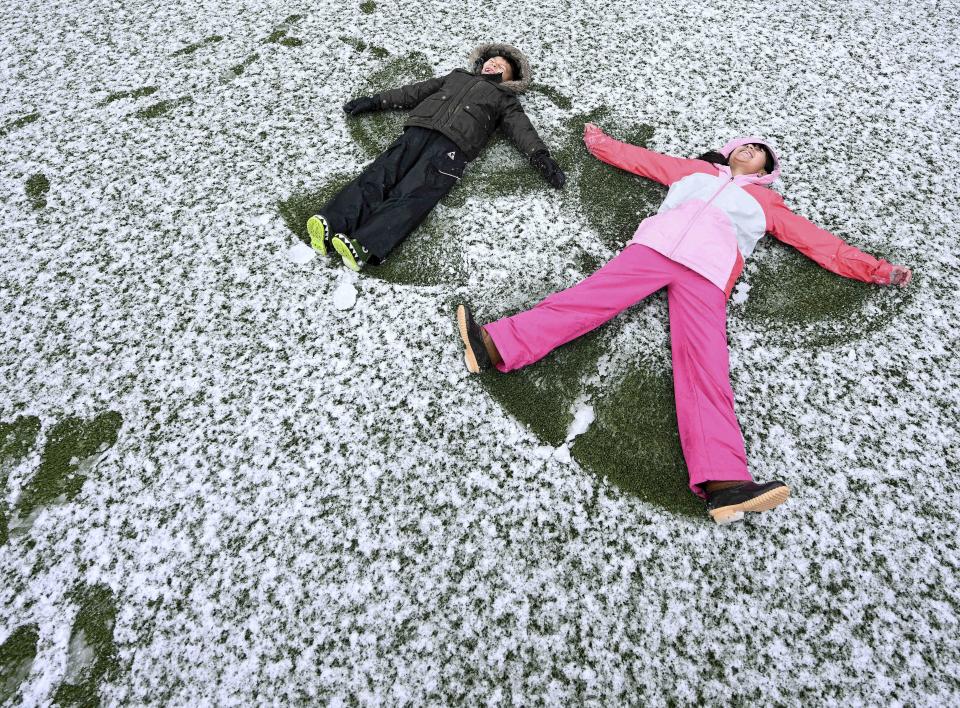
222, 483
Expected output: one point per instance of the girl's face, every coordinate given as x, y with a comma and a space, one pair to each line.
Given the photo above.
749, 159
498, 65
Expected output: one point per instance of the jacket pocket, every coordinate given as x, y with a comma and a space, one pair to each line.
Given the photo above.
474, 124
447, 168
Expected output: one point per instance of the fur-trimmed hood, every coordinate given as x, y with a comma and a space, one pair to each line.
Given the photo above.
482, 52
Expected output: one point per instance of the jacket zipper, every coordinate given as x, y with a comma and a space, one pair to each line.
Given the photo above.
696, 216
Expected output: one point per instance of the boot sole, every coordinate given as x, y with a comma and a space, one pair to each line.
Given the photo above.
471, 361
764, 502
317, 235
344, 250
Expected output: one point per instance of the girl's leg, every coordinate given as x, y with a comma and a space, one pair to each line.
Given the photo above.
709, 431
528, 336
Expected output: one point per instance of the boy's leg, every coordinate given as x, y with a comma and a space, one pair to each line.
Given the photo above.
353, 204
709, 431
436, 170
529, 336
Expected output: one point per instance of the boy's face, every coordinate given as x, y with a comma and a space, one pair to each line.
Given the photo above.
498, 65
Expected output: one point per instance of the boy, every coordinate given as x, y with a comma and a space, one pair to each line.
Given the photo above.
453, 117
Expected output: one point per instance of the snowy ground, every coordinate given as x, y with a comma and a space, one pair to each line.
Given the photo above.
221, 488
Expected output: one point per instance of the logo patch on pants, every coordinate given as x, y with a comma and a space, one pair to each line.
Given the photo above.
452, 155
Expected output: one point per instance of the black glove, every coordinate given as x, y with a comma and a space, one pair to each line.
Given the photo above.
362, 105
549, 168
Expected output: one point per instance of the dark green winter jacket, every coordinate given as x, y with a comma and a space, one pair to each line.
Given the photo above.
467, 107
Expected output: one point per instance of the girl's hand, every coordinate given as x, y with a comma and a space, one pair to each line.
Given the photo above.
592, 135
900, 275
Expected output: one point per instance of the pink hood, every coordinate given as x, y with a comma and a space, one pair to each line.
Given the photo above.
737, 142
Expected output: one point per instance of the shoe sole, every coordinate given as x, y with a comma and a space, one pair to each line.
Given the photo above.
344, 250
472, 366
764, 502
317, 235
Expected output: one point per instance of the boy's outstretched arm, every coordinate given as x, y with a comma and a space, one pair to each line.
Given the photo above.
831, 252
640, 161
517, 126
409, 95
406, 96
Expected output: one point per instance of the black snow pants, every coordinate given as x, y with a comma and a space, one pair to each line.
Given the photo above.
397, 190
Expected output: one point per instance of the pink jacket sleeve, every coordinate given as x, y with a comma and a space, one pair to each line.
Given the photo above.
646, 163
823, 247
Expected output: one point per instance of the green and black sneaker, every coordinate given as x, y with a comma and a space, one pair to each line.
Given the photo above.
354, 255
319, 231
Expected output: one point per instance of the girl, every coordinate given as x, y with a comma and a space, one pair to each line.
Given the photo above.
716, 210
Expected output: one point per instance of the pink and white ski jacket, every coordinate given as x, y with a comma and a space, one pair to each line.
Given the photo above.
711, 221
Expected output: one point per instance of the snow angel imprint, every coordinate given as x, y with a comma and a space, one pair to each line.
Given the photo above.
453, 117
716, 210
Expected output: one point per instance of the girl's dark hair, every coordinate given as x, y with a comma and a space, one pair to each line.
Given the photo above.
718, 159
714, 157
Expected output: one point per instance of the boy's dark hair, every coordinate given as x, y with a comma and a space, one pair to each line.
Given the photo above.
514, 68
718, 159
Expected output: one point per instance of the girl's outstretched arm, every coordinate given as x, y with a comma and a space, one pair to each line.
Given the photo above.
830, 251
632, 158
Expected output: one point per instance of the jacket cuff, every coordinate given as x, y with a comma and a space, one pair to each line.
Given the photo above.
881, 273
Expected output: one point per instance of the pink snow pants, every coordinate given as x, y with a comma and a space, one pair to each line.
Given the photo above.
709, 432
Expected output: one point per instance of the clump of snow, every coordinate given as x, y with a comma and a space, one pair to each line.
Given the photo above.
740, 292
300, 253
583, 416
80, 657
345, 294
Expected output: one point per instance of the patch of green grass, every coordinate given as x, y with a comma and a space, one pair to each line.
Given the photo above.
614, 201
541, 395
16, 440
161, 107
132, 93
367, 7
789, 292
17, 123
16, 660
61, 472
361, 46
275, 36
292, 19
374, 132
92, 632
357, 44
296, 209
191, 48
559, 100
291, 42
37, 187
242, 66
635, 444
